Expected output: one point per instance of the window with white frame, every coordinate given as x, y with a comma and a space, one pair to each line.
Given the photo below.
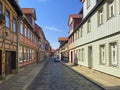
102, 54
119, 6
113, 53
30, 54
7, 17
25, 31
88, 3
20, 54
78, 33
14, 26
81, 31
89, 26
111, 8
21, 28
79, 54
83, 54
25, 54
100, 16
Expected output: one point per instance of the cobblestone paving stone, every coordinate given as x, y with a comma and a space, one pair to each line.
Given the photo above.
21, 80
56, 76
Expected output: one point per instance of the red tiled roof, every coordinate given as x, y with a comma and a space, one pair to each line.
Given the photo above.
76, 15
62, 39
27, 10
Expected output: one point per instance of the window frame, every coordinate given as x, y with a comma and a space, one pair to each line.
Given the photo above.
88, 26
7, 18
111, 8
88, 3
14, 27
100, 16
1, 8
21, 28
102, 59
20, 54
115, 61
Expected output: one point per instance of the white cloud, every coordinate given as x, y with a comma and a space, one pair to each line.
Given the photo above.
55, 45
53, 29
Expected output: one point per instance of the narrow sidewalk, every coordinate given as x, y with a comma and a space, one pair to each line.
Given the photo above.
104, 80
23, 79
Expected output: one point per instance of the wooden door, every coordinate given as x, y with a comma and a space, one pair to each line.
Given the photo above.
8, 62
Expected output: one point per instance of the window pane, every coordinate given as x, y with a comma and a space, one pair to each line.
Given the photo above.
7, 19
0, 8
113, 53
14, 26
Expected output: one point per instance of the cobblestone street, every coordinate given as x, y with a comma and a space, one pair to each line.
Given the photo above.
56, 76
47, 75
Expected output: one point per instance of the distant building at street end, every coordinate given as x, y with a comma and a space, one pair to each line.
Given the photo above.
63, 49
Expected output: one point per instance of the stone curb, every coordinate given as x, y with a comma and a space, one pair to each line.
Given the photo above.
97, 84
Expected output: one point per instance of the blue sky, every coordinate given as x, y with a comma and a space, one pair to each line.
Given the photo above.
52, 16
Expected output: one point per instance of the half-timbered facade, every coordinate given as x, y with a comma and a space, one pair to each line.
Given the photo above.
10, 14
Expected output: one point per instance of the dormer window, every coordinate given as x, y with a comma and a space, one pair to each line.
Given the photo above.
32, 20
88, 3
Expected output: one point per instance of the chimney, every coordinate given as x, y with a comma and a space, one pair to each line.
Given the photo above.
16, 1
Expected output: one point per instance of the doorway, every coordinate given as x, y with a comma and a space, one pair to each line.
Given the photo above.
71, 57
10, 61
90, 57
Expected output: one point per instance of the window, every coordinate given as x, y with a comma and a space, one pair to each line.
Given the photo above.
100, 16
81, 31
80, 54
78, 33
21, 28
113, 53
111, 9
29, 34
7, 16
88, 3
25, 31
25, 54
14, 25
119, 6
102, 54
89, 26
83, 54
20, 54
30, 54
0, 8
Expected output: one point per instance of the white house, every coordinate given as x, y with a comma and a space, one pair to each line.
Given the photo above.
97, 39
